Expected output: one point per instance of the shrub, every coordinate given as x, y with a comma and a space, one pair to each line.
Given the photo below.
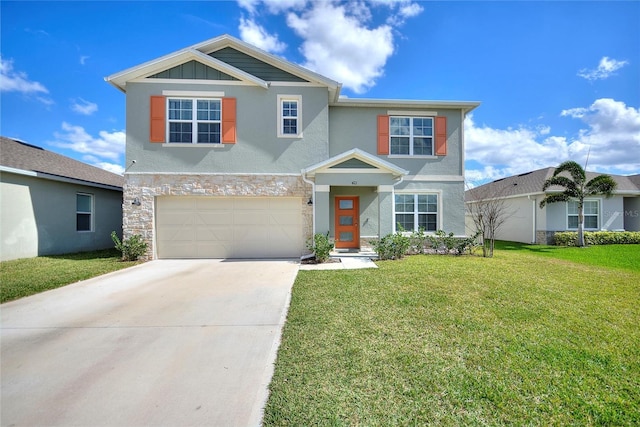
321, 246
392, 246
418, 241
444, 243
569, 238
132, 248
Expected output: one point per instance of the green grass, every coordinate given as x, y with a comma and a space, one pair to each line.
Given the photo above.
626, 257
523, 338
28, 276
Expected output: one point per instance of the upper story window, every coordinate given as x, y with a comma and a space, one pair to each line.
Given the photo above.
289, 116
194, 121
591, 214
84, 212
411, 136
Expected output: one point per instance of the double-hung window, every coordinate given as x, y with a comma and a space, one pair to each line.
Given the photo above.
84, 212
194, 121
289, 116
411, 136
415, 211
591, 210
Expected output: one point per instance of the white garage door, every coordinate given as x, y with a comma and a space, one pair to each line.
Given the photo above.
228, 227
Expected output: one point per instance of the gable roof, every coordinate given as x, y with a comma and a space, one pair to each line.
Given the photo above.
530, 183
201, 52
365, 158
20, 157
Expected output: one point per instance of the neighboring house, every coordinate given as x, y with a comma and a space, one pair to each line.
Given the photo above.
234, 152
51, 204
528, 223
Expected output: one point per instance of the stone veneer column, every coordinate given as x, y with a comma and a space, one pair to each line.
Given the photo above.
146, 187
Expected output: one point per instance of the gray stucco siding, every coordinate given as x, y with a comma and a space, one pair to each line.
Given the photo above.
257, 150
611, 214
352, 127
38, 217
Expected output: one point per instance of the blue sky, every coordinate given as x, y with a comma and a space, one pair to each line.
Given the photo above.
557, 80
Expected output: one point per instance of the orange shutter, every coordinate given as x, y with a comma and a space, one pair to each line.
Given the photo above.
441, 136
383, 134
157, 127
228, 120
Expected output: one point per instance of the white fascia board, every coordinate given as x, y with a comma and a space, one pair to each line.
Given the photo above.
466, 106
58, 178
355, 153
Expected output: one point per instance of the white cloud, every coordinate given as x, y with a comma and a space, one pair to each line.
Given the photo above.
84, 107
612, 142
338, 39
108, 145
83, 59
116, 168
254, 34
605, 69
17, 81
341, 47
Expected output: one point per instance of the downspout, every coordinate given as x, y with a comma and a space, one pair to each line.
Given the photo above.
313, 200
393, 205
534, 214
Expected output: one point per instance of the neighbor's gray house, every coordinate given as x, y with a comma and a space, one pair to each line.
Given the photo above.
528, 223
234, 152
52, 204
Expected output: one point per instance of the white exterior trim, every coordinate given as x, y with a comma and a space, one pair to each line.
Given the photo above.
428, 178
194, 93
411, 113
43, 175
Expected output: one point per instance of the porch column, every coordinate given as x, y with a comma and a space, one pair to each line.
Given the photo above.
385, 210
321, 209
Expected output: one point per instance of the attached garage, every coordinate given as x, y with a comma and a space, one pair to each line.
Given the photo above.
229, 227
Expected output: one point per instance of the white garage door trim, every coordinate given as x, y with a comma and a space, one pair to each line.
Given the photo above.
228, 227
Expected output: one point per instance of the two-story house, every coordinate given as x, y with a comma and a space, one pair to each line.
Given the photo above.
234, 152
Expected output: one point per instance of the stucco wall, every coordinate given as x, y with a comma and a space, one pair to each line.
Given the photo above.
258, 149
632, 213
38, 217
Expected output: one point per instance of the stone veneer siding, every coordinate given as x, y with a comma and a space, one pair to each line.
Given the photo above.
146, 187
545, 237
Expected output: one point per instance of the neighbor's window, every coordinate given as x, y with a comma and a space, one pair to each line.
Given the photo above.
591, 209
415, 211
84, 212
194, 121
411, 136
289, 116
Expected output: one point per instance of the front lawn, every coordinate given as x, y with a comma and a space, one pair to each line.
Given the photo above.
28, 276
520, 339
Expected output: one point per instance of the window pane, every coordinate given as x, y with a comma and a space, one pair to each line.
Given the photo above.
422, 146
572, 208
405, 221
345, 204
427, 221
180, 132
422, 126
399, 126
573, 221
399, 145
83, 203
591, 208
346, 236
83, 222
180, 109
427, 203
289, 108
591, 222
208, 109
209, 133
404, 203
290, 126
346, 220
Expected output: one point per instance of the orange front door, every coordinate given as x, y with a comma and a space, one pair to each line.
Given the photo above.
347, 219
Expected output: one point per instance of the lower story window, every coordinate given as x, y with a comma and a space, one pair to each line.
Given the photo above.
415, 211
84, 212
591, 211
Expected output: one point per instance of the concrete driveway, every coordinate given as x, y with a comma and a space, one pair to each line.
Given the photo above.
165, 343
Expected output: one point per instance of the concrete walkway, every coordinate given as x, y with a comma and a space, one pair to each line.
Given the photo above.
166, 343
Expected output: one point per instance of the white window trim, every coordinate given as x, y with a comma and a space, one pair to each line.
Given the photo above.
439, 214
91, 213
599, 215
280, 124
411, 136
194, 121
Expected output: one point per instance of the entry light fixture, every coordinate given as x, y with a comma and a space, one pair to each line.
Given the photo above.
310, 202
136, 202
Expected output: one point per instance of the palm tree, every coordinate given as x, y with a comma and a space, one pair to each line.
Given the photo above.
576, 188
